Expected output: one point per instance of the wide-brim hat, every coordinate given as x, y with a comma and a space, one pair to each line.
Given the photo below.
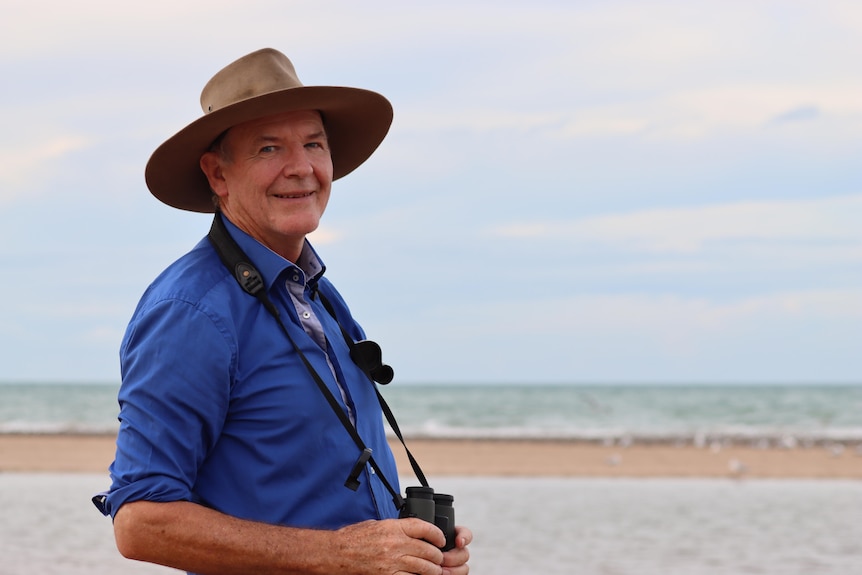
262, 84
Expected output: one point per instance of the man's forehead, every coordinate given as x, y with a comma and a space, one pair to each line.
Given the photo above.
295, 119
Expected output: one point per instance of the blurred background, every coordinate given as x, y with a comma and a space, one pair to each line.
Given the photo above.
635, 191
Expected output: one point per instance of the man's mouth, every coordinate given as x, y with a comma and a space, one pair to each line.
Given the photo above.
294, 196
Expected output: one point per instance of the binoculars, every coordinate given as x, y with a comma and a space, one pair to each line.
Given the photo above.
434, 508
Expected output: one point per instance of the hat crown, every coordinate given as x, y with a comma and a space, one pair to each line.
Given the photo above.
261, 72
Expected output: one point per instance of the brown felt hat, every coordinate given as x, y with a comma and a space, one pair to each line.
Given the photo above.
261, 84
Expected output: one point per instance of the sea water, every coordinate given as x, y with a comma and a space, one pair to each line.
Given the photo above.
547, 526
782, 414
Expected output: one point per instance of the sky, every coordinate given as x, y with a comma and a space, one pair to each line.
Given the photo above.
571, 191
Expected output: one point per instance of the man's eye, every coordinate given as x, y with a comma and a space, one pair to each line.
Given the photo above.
267, 149
314, 145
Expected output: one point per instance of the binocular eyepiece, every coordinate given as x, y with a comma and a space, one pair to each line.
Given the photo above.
437, 508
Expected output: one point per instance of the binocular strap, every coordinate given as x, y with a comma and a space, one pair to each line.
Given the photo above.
252, 283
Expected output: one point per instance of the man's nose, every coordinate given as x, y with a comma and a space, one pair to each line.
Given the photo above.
298, 164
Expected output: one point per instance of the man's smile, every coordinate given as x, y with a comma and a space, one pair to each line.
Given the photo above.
293, 196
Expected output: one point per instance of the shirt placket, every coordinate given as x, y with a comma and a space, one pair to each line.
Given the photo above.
296, 289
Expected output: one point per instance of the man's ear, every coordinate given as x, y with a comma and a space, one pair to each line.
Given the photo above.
211, 165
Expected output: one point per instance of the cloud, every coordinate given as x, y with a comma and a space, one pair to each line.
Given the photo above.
685, 113
325, 235
24, 169
644, 314
53, 28
107, 335
689, 230
693, 111
800, 114
638, 336
478, 120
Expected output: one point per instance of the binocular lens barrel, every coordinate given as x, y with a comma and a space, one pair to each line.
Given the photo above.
438, 509
419, 503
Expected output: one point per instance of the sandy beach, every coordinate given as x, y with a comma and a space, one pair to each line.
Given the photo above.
510, 458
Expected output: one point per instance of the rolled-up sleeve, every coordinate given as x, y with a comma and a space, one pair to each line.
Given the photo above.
176, 365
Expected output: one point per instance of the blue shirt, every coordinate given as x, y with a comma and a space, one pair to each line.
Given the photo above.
217, 408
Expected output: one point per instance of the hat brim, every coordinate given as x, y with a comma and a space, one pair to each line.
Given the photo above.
356, 122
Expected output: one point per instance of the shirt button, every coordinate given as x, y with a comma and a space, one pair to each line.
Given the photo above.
306, 315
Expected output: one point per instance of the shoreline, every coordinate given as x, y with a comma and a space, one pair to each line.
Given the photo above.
93, 453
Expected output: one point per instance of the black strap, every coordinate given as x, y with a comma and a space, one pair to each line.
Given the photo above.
251, 281
383, 405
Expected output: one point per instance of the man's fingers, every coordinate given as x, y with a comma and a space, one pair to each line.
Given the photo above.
419, 529
463, 536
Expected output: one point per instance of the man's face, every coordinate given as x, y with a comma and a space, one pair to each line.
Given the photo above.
274, 178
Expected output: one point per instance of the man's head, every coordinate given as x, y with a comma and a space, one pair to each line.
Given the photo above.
263, 85
272, 177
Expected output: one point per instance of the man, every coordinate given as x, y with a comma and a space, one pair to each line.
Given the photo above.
241, 415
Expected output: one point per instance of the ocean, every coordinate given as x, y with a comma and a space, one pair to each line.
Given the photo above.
527, 526
760, 414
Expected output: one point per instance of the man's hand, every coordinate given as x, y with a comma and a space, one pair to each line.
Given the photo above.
455, 560
392, 546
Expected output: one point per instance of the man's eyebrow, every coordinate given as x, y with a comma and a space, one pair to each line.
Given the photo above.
264, 138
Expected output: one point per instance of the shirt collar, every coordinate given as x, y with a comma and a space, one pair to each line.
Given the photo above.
270, 264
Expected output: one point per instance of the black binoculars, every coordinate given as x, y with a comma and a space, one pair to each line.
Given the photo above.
434, 508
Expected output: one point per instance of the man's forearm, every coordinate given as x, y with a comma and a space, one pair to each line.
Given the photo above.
194, 538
